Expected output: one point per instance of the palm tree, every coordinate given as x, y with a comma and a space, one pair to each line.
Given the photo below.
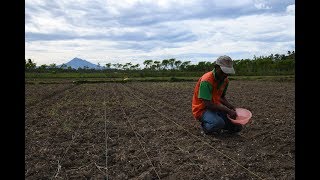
117, 66
171, 62
157, 64
184, 65
108, 65
135, 67
29, 65
165, 63
63, 66
147, 63
177, 64
43, 67
53, 66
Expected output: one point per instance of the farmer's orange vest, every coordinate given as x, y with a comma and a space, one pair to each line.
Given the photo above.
198, 106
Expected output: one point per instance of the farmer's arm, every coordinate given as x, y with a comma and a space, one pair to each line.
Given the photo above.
205, 93
225, 102
216, 107
223, 99
219, 107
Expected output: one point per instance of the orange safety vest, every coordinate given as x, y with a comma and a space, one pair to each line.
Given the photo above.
198, 106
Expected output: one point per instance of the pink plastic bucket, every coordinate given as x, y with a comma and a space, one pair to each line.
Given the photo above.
243, 117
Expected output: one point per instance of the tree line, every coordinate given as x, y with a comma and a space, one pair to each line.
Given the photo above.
274, 64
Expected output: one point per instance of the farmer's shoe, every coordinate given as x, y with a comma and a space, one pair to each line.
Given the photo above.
234, 129
206, 132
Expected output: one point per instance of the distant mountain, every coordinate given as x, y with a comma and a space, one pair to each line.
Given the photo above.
76, 63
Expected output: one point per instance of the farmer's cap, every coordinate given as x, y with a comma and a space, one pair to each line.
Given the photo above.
226, 64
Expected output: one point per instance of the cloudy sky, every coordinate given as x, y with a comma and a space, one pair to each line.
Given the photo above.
112, 31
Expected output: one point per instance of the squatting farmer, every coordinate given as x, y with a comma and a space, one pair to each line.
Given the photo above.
209, 103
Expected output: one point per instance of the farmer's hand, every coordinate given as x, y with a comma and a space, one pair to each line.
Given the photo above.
232, 107
232, 114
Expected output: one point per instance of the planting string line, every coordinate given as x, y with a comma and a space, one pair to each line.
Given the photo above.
52, 145
186, 153
201, 140
65, 152
180, 149
106, 134
196, 136
174, 143
125, 116
160, 102
248, 138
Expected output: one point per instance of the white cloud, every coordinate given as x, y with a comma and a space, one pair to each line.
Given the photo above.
232, 3
223, 36
119, 31
291, 9
261, 4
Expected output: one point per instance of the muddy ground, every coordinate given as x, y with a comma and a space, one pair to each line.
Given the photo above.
145, 130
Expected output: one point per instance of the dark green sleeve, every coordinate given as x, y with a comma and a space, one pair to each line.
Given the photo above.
205, 90
225, 90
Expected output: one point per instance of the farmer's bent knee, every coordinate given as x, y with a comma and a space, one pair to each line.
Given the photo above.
211, 121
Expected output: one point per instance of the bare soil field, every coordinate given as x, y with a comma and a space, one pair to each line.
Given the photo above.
145, 130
